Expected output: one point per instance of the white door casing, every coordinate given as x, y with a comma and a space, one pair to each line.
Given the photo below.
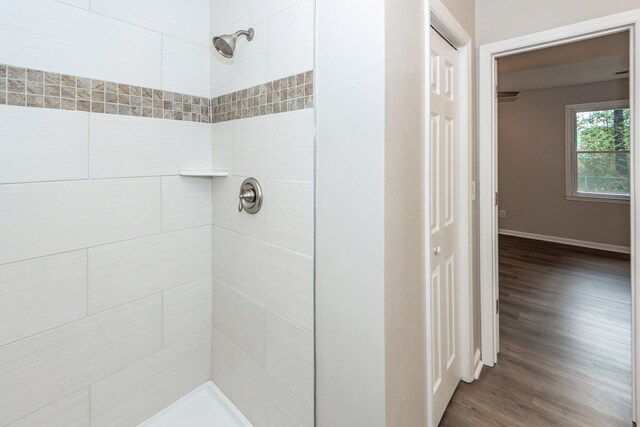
444, 362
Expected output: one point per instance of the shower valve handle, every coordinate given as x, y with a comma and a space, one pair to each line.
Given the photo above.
249, 195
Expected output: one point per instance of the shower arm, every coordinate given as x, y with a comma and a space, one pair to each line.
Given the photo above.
248, 34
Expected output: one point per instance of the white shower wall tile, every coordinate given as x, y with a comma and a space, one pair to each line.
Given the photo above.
184, 19
222, 17
241, 320
263, 400
70, 411
59, 38
134, 394
40, 219
42, 294
124, 271
285, 219
56, 149
185, 67
290, 357
279, 279
186, 310
36, 372
221, 362
289, 218
225, 208
278, 146
222, 145
122, 146
287, 55
249, 12
186, 202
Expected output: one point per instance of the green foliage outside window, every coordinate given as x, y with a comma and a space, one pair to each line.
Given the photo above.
602, 145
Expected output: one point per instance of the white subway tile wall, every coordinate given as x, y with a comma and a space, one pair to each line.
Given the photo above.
118, 292
128, 146
105, 255
129, 396
70, 411
37, 371
56, 149
187, 310
126, 271
263, 331
42, 293
185, 66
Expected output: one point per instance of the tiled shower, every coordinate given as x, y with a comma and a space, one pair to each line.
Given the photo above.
123, 284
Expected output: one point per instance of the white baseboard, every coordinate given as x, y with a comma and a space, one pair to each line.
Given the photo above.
477, 363
564, 241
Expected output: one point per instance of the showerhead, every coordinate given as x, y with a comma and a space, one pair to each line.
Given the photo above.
226, 44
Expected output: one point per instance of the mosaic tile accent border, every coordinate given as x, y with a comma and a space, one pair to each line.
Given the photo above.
287, 94
42, 89
27, 87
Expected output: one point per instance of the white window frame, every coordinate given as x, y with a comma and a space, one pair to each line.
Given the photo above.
571, 166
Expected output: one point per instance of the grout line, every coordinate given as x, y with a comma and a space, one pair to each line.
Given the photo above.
146, 28
161, 208
88, 145
90, 179
86, 253
263, 305
162, 62
145, 296
104, 244
162, 314
267, 373
63, 3
246, 236
144, 177
89, 315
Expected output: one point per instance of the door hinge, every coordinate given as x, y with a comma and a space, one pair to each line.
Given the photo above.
498, 306
496, 198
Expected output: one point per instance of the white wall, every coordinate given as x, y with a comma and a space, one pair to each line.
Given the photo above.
105, 256
350, 156
263, 348
501, 19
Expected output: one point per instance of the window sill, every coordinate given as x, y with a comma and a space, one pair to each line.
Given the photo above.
616, 201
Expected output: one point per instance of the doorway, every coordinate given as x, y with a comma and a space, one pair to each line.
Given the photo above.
488, 166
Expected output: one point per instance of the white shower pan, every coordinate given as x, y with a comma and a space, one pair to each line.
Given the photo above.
205, 406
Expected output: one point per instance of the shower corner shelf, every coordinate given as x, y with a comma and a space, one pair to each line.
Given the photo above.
204, 173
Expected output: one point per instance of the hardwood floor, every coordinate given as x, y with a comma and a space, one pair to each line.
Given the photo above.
565, 342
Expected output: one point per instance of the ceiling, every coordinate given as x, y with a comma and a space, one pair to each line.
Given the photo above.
586, 61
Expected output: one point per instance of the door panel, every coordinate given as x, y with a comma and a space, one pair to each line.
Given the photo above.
443, 146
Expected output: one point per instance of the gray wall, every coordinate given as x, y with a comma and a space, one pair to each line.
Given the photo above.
532, 168
405, 344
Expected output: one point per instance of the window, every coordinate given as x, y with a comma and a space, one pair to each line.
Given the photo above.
598, 151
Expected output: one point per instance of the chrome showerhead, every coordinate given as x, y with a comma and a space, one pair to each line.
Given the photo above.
226, 44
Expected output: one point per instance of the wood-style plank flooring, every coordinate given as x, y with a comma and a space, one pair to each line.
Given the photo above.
565, 342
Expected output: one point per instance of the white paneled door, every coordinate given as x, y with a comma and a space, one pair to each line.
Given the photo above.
443, 225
